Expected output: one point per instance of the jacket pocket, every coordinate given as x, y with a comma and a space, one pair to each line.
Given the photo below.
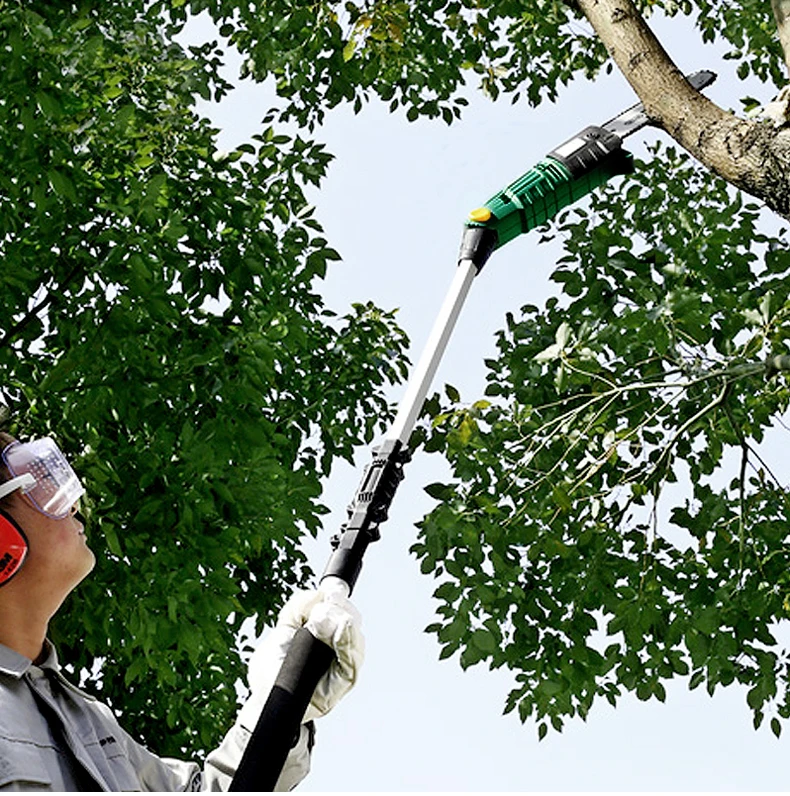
22, 765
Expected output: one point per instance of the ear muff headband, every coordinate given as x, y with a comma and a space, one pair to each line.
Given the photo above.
13, 548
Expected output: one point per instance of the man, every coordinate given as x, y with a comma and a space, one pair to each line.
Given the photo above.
54, 736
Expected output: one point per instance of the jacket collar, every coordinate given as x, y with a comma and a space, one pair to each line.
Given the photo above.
16, 665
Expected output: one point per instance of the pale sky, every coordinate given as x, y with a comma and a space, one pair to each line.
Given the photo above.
394, 205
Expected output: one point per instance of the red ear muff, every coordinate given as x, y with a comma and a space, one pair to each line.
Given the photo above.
13, 548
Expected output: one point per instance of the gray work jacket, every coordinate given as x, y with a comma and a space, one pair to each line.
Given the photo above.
55, 737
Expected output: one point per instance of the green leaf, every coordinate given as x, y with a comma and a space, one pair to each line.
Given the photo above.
136, 670
111, 537
439, 491
484, 641
62, 184
349, 49
561, 498
452, 393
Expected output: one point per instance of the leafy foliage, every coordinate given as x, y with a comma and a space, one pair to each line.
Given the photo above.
656, 364
422, 57
162, 323
161, 320
651, 368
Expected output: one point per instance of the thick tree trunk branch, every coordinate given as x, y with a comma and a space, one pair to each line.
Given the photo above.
752, 155
781, 9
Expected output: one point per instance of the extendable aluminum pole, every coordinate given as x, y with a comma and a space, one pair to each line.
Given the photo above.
308, 658
422, 378
571, 171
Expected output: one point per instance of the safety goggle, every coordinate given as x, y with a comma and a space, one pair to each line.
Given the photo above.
40, 470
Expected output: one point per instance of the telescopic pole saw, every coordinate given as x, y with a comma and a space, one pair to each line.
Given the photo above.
566, 174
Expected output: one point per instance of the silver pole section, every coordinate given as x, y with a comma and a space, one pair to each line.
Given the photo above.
421, 379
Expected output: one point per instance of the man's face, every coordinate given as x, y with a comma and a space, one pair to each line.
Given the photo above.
59, 556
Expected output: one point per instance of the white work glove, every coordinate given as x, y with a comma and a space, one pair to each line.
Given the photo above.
329, 615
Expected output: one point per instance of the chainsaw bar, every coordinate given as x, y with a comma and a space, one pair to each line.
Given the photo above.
634, 118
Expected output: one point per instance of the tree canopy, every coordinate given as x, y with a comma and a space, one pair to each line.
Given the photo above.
165, 326
612, 522
162, 322
567, 549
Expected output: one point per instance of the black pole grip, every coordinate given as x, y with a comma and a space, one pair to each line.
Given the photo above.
307, 658
306, 662
367, 510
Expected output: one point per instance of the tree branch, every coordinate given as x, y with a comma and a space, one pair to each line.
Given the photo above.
54, 288
540, 438
749, 154
781, 9
52, 291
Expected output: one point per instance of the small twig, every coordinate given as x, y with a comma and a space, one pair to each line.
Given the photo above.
51, 293
551, 429
742, 507
26, 319
717, 401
